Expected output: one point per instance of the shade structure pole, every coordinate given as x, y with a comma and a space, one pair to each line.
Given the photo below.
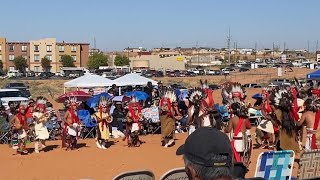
119, 90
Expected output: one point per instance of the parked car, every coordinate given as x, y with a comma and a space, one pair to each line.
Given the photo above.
21, 87
176, 73
159, 74
11, 95
190, 74
243, 69
251, 85
214, 87
225, 71
280, 82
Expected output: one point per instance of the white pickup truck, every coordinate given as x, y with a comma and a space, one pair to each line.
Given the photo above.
13, 95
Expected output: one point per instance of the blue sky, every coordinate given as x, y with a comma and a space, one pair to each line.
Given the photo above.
149, 23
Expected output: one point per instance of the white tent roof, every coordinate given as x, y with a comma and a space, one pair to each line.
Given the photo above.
89, 80
133, 79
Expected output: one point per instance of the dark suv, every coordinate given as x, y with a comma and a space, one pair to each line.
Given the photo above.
21, 87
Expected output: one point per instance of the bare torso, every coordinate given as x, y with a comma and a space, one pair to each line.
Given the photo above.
307, 119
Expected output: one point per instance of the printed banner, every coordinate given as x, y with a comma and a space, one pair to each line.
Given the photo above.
151, 113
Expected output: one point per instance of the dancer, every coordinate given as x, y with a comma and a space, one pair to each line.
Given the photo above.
197, 115
133, 125
71, 129
268, 127
167, 119
282, 101
238, 123
103, 119
20, 127
308, 119
40, 117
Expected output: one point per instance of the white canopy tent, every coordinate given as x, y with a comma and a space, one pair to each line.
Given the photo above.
133, 79
89, 80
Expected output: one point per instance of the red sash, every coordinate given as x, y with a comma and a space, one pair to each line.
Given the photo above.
315, 127
236, 132
74, 119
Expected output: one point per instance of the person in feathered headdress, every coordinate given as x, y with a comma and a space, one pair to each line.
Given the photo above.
282, 105
167, 118
20, 126
197, 114
268, 127
103, 119
239, 123
133, 126
311, 106
71, 129
40, 117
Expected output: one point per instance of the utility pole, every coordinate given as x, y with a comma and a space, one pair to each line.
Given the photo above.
94, 43
197, 53
272, 50
234, 53
284, 48
308, 49
129, 56
229, 52
255, 49
317, 46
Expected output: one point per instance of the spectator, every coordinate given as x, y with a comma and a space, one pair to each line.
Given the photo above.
91, 92
212, 159
118, 116
148, 89
114, 90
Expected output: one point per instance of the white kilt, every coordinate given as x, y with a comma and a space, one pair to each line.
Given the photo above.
74, 130
238, 143
22, 135
135, 127
266, 125
41, 131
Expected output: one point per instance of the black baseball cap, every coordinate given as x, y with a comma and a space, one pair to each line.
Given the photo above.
203, 144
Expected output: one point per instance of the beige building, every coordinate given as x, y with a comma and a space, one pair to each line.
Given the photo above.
157, 62
72, 49
3, 51
40, 49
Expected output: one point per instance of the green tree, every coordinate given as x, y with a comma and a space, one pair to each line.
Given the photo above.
67, 61
238, 58
96, 60
121, 60
45, 63
245, 57
20, 63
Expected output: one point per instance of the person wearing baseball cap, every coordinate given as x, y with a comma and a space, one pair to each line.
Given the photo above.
207, 155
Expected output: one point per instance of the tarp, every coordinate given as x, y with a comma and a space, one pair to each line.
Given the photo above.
89, 80
314, 75
133, 79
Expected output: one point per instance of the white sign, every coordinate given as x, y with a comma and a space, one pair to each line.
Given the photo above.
311, 66
284, 58
279, 72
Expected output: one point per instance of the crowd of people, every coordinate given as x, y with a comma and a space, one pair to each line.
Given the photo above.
288, 111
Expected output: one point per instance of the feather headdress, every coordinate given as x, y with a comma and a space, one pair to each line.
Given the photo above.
171, 96
283, 98
134, 99
103, 102
204, 84
41, 102
197, 95
312, 104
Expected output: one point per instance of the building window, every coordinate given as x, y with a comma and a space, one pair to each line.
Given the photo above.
60, 58
11, 57
36, 57
23, 48
0, 57
61, 48
25, 57
11, 48
49, 57
36, 48
74, 58
11, 68
37, 69
49, 48
0, 48
73, 48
